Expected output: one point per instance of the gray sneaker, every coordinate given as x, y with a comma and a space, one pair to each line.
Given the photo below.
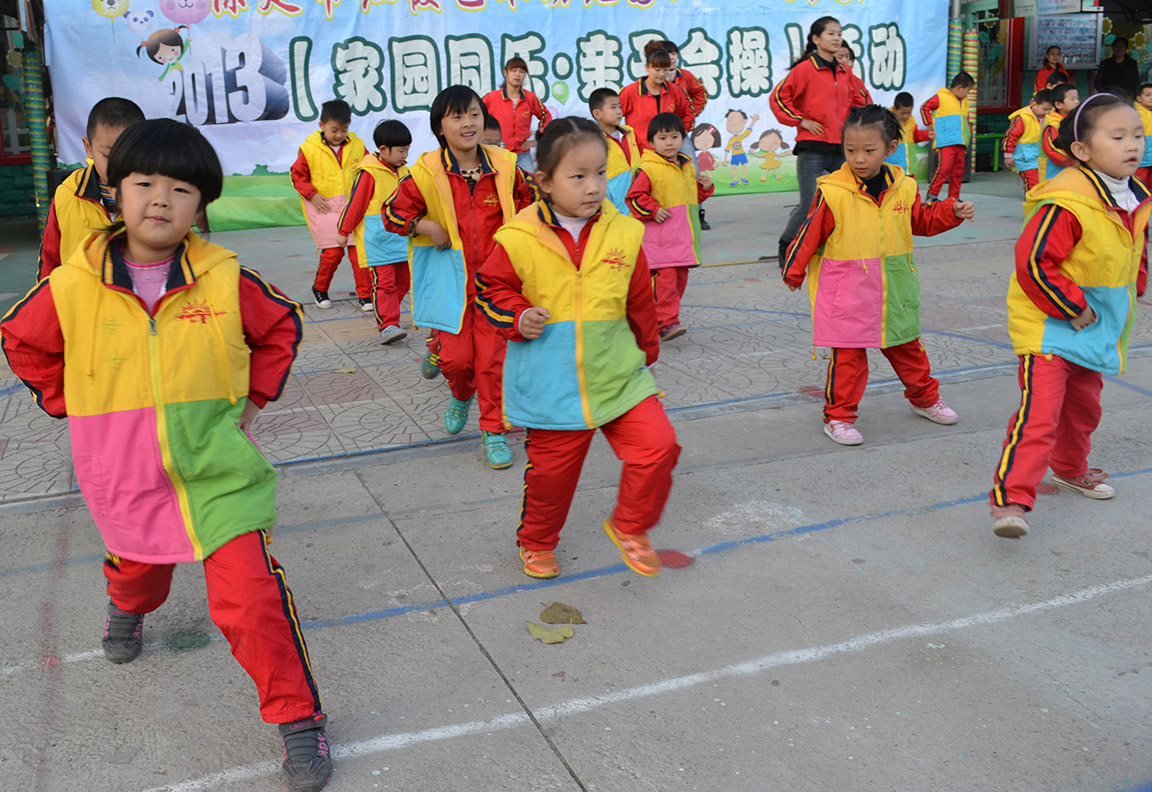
392, 333
122, 635
307, 764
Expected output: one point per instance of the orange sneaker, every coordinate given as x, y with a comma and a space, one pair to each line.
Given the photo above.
636, 551
540, 563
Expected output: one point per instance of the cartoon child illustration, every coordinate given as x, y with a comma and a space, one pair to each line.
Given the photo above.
769, 145
738, 126
167, 48
704, 137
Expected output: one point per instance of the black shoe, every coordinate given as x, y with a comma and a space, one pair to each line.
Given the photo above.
122, 635
365, 304
704, 223
307, 764
321, 298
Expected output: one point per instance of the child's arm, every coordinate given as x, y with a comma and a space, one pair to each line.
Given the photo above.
704, 187
939, 217
641, 310
927, 109
404, 214
815, 231
1048, 144
34, 345
922, 135
302, 181
499, 294
273, 326
363, 186
1011, 138
50, 245
1048, 239
525, 192
641, 203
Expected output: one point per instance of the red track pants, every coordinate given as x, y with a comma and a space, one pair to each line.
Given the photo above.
473, 363
330, 259
249, 600
668, 285
848, 377
950, 170
1030, 178
642, 438
1059, 410
390, 283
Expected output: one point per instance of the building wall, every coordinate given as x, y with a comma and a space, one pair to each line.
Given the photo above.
17, 199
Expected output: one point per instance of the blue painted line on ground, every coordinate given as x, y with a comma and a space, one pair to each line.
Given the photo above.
11, 389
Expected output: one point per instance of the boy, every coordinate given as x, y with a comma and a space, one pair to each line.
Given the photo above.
384, 255
493, 133
665, 195
946, 114
323, 174
83, 203
1144, 108
910, 134
1022, 140
623, 150
734, 122
1065, 99
646, 98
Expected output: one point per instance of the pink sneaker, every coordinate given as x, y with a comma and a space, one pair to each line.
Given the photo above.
939, 413
1090, 485
843, 433
1009, 522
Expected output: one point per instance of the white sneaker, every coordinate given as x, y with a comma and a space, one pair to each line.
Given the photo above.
843, 433
939, 413
1090, 485
392, 333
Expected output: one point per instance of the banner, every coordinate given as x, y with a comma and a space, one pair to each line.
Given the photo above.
252, 74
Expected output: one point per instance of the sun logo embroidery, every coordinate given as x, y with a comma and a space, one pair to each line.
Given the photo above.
615, 258
194, 310
492, 199
901, 206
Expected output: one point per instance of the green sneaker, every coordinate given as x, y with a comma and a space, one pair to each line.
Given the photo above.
497, 450
430, 365
456, 415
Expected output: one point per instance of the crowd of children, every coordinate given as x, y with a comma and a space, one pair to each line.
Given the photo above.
548, 258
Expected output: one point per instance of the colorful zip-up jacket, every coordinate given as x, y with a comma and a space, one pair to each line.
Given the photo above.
623, 160
319, 169
910, 134
816, 90
363, 217
862, 280
1146, 120
76, 211
1022, 140
660, 183
1052, 159
1078, 249
948, 117
590, 365
153, 401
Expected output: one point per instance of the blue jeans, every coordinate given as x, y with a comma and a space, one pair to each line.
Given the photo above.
810, 165
526, 162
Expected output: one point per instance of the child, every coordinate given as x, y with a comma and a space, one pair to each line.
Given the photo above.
738, 126
1144, 110
623, 150
451, 203
1071, 307
323, 174
646, 98
705, 137
1022, 140
493, 133
665, 194
1065, 99
568, 286
160, 349
515, 108
770, 142
847, 58
946, 114
863, 285
83, 203
384, 254
910, 134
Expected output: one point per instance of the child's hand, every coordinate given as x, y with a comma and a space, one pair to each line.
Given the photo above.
755, 118
790, 286
705, 179
965, 210
1083, 320
931, 134
532, 322
342, 240
248, 416
1009, 161
661, 215
440, 238
321, 203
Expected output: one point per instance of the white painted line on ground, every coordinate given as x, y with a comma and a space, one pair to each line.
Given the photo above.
389, 742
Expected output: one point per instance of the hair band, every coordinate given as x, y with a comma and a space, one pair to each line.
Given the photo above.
1080, 109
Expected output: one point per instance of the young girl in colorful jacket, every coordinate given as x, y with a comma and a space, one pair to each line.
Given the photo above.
450, 204
1071, 306
568, 286
160, 349
857, 247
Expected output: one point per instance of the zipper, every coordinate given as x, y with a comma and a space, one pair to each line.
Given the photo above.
579, 301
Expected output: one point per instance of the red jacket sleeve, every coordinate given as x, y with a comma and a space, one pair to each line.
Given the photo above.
1012, 136
639, 198
1047, 240
404, 207
934, 219
525, 192
921, 135
927, 109
363, 188
683, 106
302, 177
50, 245
500, 294
783, 97
641, 310
860, 97
541, 112
34, 345
697, 95
273, 326
815, 231
704, 193
1057, 155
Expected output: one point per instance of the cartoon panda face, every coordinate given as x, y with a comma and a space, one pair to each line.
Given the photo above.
140, 21
110, 8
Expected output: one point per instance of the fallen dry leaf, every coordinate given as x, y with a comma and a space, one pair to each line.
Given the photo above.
549, 635
345, 370
559, 613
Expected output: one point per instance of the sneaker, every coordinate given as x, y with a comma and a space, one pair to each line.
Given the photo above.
321, 298
497, 450
672, 331
635, 550
456, 415
307, 764
843, 433
394, 333
365, 304
1009, 522
430, 365
1090, 485
122, 635
939, 413
743, 181
704, 223
539, 563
